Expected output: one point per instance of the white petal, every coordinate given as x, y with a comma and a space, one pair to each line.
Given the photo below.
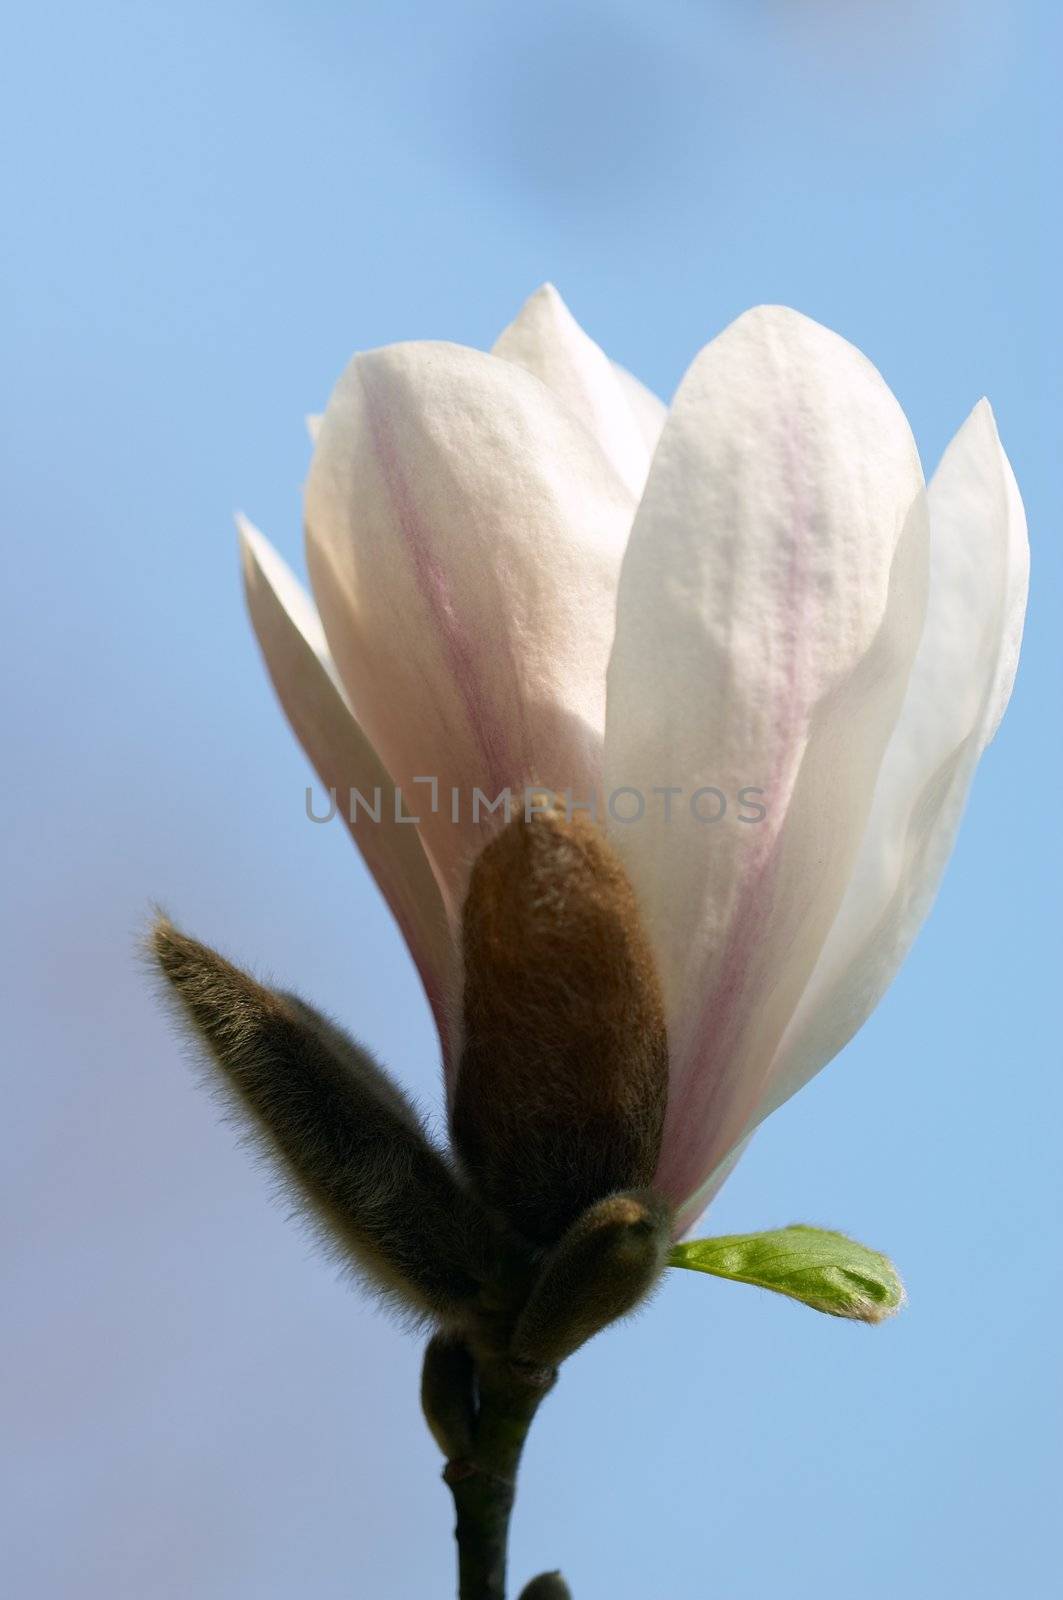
1017, 583
464, 538
960, 682
770, 605
702, 1198
293, 644
649, 411
545, 339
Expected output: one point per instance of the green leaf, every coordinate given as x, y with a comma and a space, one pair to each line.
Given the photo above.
826, 1270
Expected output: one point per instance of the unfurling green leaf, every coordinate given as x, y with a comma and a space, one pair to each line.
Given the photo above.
826, 1270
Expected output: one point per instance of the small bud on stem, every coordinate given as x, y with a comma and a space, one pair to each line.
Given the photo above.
600, 1270
547, 1586
448, 1396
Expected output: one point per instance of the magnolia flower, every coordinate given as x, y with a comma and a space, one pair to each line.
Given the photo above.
529, 571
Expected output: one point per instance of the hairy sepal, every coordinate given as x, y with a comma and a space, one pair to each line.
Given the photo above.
346, 1142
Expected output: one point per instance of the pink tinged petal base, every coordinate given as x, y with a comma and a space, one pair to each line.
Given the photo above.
959, 687
293, 644
464, 535
546, 340
769, 609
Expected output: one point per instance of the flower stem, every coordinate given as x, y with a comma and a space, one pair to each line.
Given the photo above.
484, 1485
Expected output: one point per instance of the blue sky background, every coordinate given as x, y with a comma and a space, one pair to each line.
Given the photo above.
206, 209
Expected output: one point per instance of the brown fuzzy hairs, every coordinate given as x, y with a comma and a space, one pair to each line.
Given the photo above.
563, 1079
600, 1270
350, 1147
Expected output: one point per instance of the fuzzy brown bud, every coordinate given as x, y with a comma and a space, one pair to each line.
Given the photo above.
601, 1269
563, 1079
348, 1144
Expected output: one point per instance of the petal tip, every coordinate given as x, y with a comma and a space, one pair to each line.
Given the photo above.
253, 544
770, 314
984, 410
263, 564
979, 430
778, 327
546, 298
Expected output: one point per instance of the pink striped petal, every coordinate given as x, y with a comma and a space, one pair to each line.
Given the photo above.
464, 535
960, 683
769, 609
293, 644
